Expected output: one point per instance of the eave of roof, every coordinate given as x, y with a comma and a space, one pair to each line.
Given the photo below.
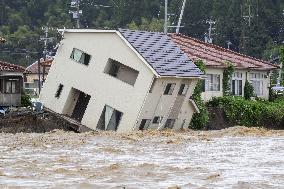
86, 31
215, 56
8, 67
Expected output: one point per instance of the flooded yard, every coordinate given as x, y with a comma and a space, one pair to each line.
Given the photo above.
232, 158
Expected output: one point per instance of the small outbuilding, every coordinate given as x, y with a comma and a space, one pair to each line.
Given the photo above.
11, 84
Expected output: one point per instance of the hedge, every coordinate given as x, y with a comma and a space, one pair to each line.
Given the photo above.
244, 112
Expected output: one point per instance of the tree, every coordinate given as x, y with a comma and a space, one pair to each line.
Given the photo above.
248, 90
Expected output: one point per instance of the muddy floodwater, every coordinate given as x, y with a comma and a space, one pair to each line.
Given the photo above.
232, 158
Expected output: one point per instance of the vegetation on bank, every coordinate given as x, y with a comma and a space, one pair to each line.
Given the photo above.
258, 112
199, 120
26, 100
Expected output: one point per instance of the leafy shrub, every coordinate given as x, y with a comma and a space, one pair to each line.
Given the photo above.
250, 113
248, 90
199, 120
26, 100
227, 76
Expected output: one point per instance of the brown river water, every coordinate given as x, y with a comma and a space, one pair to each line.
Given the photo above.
235, 158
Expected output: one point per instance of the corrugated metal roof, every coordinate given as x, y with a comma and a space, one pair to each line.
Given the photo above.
5, 66
215, 56
162, 54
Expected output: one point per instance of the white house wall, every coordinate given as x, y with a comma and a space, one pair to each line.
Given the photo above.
103, 88
208, 95
187, 110
158, 104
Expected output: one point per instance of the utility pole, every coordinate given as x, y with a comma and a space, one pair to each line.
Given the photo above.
209, 38
180, 17
46, 40
246, 14
249, 16
75, 4
229, 43
166, 26
166, 17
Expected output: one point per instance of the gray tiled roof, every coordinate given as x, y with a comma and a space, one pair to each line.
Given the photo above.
162, 54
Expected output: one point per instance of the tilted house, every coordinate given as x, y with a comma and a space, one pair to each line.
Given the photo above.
11, 84
246, 68
121, 80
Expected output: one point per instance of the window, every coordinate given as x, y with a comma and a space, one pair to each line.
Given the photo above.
80, 56
157, 119
121, 72
145, 123
110, 119
36, 83
170, 87
183, 89
237, 87
257, 83
12, 86
237, 84
153, 84
113, 70
170, 123
212, 82
59, 90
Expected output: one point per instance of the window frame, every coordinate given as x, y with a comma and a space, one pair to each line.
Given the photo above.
183, 89
120, 67
59, 91
169, 89
157, 119
210, 84
237, 79
17, 86
257, 79
83, 54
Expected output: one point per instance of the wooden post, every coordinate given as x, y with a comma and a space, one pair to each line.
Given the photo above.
38, 66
